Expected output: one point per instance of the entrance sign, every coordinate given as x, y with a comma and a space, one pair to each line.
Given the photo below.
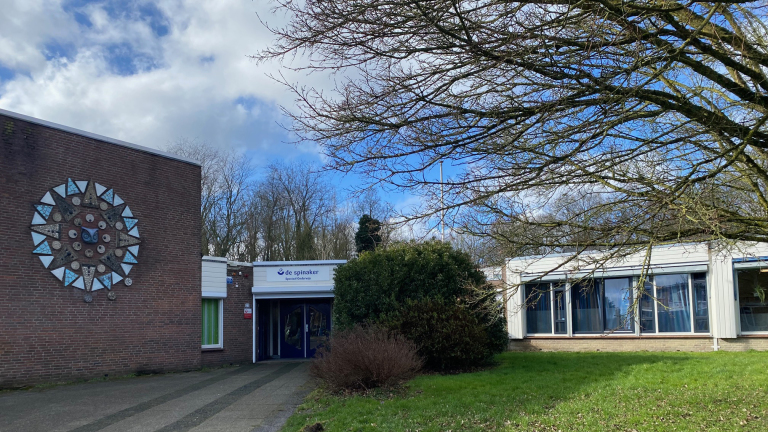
299, 273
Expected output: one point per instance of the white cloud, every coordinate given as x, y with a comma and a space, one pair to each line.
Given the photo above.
120, 79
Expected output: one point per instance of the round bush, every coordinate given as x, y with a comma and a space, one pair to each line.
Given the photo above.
429, 292
380, 282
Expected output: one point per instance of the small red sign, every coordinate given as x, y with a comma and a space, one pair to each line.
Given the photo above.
248, 313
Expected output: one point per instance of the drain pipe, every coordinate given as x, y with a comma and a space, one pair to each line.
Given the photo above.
714, 345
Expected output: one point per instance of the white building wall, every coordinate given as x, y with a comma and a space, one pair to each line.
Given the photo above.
515, 301
723, 315
719, 263
214, 277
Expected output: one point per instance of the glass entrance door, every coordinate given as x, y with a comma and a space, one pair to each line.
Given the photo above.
292, 331
319, 326
293, 328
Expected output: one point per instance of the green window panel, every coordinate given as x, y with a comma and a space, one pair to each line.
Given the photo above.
211, 322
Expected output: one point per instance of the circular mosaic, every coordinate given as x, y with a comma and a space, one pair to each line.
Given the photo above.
85, 213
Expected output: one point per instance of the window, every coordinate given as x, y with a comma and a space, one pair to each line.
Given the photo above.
677, 302
617, 297
648, 309
701, 309
541, 316
561, 324
539, 309
674, 303
212, 323
674, 311
753, 301
602, 305
586, 302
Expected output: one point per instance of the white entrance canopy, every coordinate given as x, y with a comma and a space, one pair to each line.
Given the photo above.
294, 279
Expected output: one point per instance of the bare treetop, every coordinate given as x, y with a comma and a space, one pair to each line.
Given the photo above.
574, 124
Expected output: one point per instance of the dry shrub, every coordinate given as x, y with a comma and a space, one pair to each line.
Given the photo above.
362, 358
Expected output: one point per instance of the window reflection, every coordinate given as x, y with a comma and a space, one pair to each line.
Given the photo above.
293, 323
674, 305
617, 300
587, 302
538, 309
318, 328
648, 309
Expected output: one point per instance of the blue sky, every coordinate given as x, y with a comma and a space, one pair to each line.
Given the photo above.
150, 72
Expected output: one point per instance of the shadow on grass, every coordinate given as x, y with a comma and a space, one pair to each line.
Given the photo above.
545, 376
527, 385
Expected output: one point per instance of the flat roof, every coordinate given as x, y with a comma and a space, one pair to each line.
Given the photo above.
595, 252
97, 137
290, 263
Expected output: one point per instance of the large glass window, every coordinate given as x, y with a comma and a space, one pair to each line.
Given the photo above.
701, 305
586, 302
538, 309
212, 323
617, 302
674, 306
753, 300
674, 303
602, 305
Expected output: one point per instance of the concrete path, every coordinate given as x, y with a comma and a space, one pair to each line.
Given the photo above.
255, 398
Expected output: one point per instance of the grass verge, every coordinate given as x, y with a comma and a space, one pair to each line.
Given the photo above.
565, 392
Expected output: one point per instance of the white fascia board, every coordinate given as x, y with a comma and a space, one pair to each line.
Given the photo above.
239, 264
267, 296
694, 267
97, 137
528, 258
215, 259
297, 263
750, 264
292, 289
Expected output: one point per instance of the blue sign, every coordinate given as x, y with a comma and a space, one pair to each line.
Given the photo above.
229, 280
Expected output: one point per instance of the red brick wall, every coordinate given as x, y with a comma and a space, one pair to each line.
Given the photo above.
631, 343
613, 343
238, 332
48, 333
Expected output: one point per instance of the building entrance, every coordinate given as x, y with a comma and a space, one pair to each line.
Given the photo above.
291, 328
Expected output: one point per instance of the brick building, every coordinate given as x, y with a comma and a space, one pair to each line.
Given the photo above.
101, 271
99, 256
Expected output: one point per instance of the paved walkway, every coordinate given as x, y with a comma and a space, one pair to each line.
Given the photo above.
249, 398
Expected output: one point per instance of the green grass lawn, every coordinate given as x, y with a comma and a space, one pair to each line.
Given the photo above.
566, 392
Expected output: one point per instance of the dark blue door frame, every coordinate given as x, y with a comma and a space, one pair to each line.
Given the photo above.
292, 328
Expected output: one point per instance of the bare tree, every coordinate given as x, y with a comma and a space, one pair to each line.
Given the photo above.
297, 216
225, 184
657, 107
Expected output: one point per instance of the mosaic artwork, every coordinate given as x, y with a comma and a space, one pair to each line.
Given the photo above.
86, 236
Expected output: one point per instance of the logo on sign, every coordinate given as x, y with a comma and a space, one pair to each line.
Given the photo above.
299, 274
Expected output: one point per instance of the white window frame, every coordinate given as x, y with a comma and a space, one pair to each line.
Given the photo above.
221, 323
758, 265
